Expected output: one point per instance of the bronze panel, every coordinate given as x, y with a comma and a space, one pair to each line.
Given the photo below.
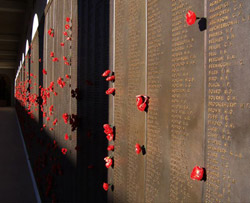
55, 18
34, 68
228, 132
175, 83
130, 81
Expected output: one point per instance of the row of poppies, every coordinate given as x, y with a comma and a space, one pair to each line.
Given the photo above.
142, 105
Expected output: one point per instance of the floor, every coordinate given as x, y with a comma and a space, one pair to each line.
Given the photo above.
16, 183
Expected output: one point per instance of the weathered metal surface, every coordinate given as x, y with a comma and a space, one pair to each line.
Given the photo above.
195, 117
63, 102
130, 36
34, 69
175, 124
228, 134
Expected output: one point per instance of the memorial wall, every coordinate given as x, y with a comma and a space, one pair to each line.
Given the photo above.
227, 97
196, 78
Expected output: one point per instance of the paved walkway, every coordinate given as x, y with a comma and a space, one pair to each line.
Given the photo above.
16, 183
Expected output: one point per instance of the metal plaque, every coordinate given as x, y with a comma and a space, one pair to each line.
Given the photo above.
129, 69
175, 83
228, 114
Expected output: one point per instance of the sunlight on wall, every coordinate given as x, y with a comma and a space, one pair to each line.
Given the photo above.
27, 47
35, 26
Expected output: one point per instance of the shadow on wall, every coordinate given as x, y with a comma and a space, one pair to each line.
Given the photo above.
58, 178
5, 91
54, 172
93, 60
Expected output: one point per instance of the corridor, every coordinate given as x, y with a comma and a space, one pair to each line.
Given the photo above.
16, 183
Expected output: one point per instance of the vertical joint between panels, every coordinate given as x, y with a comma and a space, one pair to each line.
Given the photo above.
146, 90
113, 61
205, 93
70, 71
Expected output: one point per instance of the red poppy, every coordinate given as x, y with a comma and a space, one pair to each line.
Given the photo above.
107, 129
110, 137
51, 86
64, 58
55, 59
110, 148
65, 118
137, 148
142, 107
55, 121
63, 84
60, 82
55, 93
62, 44
51, 129
110, 91
48, 118
88, 134
51, 108
106, 126
64, 151
66, 137
106, 73
190, 17
110, 78
51, 54
65, 33
90, 166
67, 26
44, 72
197, 173
51, 32
109, 162
105, 186
142, 102
67, 19
67, 63
40, 60
68, 38
67, 76
139, 100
